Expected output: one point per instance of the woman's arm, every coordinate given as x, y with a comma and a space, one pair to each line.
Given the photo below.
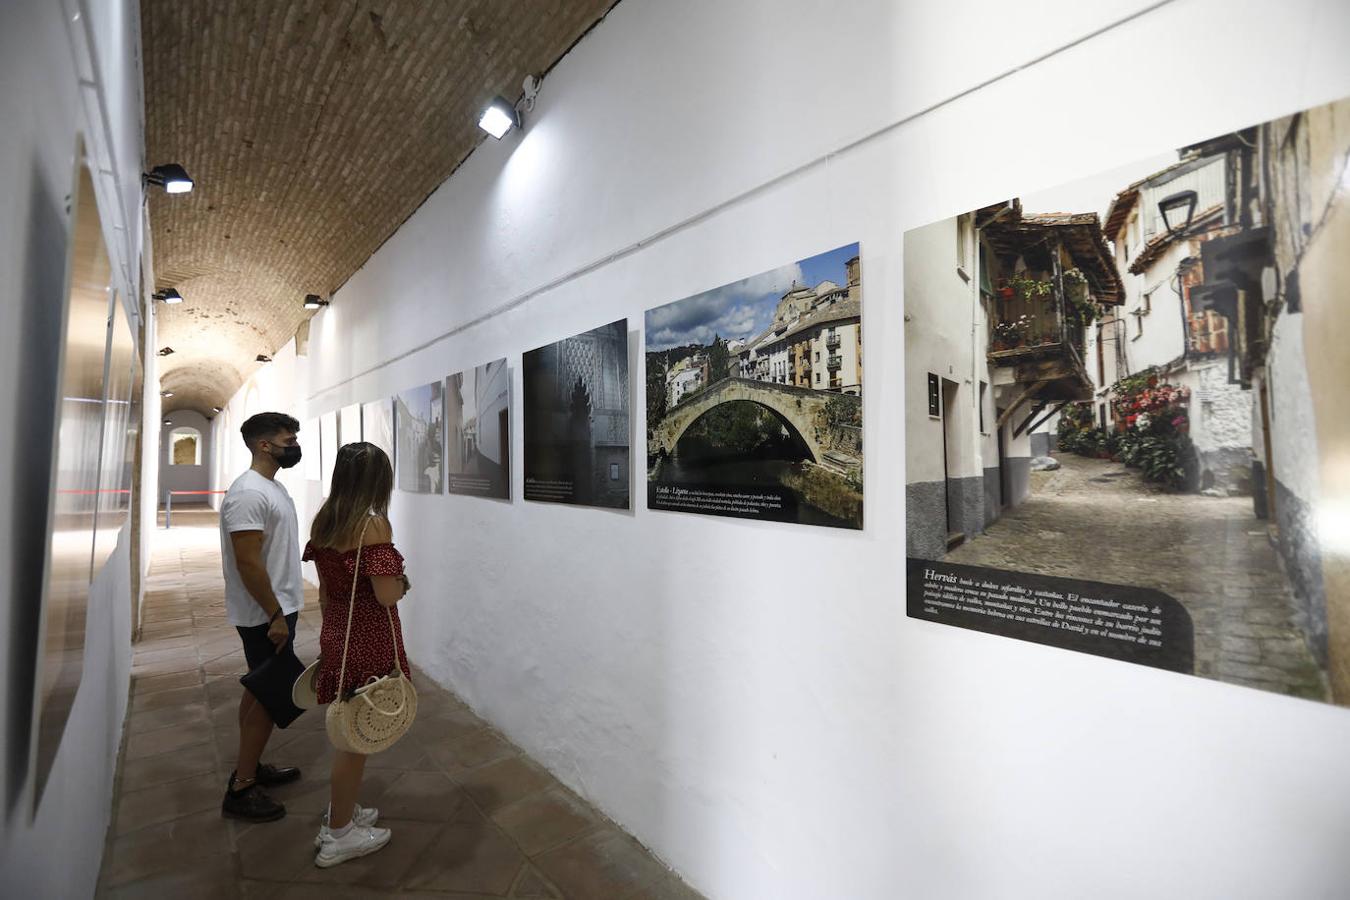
323, 594
389, 589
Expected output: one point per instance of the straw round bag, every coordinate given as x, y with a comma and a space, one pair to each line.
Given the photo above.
379, 712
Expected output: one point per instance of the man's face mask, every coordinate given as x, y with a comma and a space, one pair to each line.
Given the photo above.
286, 456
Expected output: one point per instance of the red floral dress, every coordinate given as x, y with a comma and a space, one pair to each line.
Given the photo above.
371, 651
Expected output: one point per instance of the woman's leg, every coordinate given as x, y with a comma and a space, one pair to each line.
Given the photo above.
346, 783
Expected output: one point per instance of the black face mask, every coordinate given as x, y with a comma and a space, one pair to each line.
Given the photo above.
289, 456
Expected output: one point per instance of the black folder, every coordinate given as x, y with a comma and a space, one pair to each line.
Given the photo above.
271, 683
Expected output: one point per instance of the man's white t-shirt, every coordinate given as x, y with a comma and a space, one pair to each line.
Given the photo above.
258, 503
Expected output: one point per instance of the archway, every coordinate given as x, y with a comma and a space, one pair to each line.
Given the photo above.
741, 429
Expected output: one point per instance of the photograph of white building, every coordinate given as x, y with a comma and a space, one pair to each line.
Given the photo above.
478, 422
419, 418
1120, 381
754, 396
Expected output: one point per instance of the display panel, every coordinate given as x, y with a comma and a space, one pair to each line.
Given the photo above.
1143, 452
576, 419
478, 424
328, 448
349, 424
377, 425
754, 396
114, 491
419, 420
74, 501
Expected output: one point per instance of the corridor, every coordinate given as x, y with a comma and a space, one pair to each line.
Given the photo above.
1096, 520
472, 816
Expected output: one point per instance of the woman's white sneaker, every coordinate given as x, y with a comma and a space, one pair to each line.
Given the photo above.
361, 816
358, 841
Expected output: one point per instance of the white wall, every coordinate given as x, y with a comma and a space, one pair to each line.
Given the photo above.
62, 72
793, 734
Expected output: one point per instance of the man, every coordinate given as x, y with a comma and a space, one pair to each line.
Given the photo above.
260, 553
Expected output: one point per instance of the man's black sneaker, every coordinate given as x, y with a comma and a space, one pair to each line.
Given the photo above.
271, 776
251, 804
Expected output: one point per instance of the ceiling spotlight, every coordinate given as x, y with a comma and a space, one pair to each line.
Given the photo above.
173, 178
263, 357
314, 301
166, 351
170, 296
499, 117
166, 393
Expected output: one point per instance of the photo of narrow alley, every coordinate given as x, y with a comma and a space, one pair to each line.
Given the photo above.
1152, 403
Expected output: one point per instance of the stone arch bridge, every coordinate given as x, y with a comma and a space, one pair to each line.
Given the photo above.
802, 410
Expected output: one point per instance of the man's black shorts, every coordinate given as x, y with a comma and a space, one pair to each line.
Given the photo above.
257, 646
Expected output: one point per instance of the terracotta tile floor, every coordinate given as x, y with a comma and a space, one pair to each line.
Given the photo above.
472, 815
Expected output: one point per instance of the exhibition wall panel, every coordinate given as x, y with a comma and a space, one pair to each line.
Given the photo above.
70, 81
748, 698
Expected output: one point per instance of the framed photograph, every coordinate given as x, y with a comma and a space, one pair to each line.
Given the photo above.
419, 420
576, 419
328, 439
478, 426
349, 424
1143, 454
377, 425
754, 396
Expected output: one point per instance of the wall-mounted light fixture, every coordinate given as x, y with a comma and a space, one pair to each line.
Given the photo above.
1177, 210
172, 177
215, 409
166, 393
166, 351
314, 301
167, 422
263, 358
169, 296
500, 116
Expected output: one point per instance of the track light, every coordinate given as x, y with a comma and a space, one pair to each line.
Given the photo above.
498, 118
169, 296
314, 301
263, 358
166, 351
172, 177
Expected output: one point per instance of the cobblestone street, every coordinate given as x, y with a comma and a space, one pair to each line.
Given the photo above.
1097, 520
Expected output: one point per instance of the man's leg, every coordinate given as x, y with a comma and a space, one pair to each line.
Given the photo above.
255, 728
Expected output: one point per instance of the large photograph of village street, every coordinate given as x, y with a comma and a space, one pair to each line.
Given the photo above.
754, 396
1154, 396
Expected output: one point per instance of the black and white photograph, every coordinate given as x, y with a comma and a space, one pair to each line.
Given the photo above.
419, 420
478, 431
754, 396
349, 424
577, 419
1131, 460
328, 448
377, 425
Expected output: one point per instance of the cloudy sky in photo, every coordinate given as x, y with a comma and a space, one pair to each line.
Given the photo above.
743, 308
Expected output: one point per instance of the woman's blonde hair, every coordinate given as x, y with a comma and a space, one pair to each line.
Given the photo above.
362, 483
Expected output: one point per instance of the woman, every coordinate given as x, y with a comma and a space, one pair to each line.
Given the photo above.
355, 515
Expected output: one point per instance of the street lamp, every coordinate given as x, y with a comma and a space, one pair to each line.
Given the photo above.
1179, 206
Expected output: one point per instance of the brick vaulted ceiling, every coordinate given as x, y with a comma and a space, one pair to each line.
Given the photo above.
313, 129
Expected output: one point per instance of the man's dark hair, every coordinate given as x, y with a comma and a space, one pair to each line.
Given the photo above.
266, 425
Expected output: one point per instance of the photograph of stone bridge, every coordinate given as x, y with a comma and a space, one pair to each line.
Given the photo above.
754, 396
